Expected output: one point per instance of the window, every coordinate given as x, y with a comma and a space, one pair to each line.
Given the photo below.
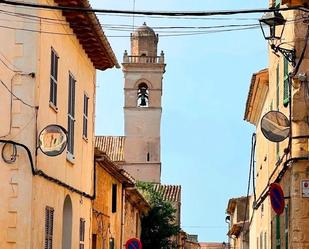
142, 95
81, 233
277, 87
85, 116
53, 77
114, 198
111, 243
286, 82
278, 240
277, 103
94, 241
71, 114
137, 225
49, 223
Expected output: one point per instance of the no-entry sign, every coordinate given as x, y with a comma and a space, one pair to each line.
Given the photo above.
276, 198
133, 244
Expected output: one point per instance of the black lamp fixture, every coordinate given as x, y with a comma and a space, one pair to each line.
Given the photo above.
272, 25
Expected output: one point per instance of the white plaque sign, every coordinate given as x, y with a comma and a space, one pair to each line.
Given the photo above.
305, 188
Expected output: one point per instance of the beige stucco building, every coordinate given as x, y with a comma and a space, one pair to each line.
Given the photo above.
238, 213
118, 206
285, 163
48, 76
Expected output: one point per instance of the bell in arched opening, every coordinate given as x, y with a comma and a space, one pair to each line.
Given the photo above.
142, 95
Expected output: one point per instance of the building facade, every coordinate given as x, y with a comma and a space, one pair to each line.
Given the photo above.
118, 206
48, 76
238, 211
282, 88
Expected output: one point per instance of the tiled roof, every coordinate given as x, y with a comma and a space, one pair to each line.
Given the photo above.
112, 146
170, 193
87, 28
258, 80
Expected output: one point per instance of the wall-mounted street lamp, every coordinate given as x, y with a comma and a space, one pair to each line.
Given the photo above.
272, 25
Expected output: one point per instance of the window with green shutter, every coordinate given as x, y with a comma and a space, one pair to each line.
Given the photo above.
277, 3
286, 86
277, 87
278, 240
286, 226
111, 243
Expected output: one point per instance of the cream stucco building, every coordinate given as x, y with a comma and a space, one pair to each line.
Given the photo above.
285, 163
48, 76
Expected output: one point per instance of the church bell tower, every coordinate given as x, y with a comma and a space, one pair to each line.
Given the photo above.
143, 73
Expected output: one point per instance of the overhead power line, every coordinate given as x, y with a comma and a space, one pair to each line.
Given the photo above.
150, 13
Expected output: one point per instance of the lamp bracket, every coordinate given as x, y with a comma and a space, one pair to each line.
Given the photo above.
289, 54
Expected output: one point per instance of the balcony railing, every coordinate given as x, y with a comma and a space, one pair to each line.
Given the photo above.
143, 59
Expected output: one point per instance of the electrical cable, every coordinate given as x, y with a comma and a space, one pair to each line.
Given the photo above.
160, 13
63, 22
114, 27
164, 35
13, 155
31, 106
7, 66
252, 156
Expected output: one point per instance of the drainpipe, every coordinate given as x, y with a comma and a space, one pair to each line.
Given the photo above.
123, 198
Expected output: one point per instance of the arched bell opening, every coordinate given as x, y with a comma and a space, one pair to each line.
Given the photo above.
142, 95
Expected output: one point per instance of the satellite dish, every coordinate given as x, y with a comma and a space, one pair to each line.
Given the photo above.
53, 140
275, 126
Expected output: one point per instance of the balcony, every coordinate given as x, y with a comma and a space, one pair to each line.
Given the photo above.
143, 59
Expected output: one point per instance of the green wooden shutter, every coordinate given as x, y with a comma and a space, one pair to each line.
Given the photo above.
278, 240
111, 243
277, 3
277, 87
286, 226
285, 82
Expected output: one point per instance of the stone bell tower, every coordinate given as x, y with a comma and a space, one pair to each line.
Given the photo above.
143, 73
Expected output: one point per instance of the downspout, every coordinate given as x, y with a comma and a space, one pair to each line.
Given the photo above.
123, 198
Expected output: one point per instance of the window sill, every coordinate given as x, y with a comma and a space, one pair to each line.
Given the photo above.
52, 106
70, 158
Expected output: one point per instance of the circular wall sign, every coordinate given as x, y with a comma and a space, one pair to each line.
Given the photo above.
276, 198
133, 244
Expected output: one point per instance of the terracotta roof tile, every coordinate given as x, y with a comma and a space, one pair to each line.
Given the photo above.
170, 193
112, 146
90, 34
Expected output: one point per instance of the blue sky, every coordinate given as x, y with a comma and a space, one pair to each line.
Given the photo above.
205, 142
